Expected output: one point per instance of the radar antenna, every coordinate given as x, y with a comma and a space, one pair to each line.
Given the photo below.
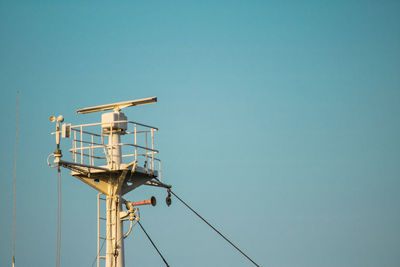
118, 106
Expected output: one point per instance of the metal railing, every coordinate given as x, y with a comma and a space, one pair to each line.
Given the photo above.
90, 144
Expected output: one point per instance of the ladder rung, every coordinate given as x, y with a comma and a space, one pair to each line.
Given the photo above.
102, 257
102, 198
102, 218
102, 237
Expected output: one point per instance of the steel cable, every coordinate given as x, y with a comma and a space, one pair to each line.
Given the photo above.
204, 220
98, 253
166, 263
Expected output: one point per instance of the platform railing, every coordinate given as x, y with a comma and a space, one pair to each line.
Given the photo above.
90, 144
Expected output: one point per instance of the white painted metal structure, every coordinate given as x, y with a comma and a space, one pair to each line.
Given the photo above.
112, 166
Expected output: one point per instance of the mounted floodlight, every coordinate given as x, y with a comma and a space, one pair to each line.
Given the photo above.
118, 106
52, 118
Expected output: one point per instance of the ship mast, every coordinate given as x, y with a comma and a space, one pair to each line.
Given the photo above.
98, 160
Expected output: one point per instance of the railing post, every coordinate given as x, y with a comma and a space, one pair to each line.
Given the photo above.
159, 170
135, 143
145, 132
74, 147
81, 145
92, 153
152, 147
112, 146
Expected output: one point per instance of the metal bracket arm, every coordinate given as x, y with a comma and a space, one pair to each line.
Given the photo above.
158, 183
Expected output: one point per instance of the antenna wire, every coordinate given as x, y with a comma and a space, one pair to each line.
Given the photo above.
58, 216
15, 176
218, 232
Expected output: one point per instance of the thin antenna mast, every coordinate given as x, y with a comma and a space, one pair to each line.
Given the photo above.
15, 177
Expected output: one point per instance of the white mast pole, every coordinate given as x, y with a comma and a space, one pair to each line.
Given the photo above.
115, 236
114, 229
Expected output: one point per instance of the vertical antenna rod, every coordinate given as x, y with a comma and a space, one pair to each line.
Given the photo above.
58, 217
15, 177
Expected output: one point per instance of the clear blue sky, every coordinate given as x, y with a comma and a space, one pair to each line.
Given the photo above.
279, 122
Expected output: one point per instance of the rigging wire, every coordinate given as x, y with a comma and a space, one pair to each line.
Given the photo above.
166, 263
101, 247
168, 187
226, 239
98, 253
15, 177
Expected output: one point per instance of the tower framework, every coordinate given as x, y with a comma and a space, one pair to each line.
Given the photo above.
114, 157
